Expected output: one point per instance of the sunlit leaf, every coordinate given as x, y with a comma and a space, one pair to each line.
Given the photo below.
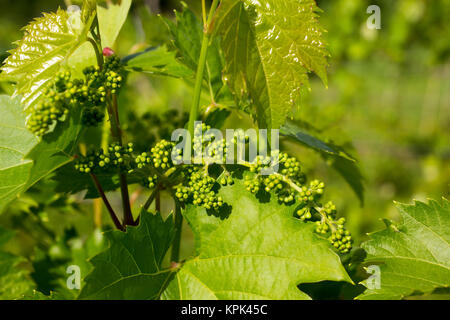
15, 143
56, 148
270, 46
47, 43
259, 252
131, 267
187, 34
413, 257
158, 61
111, 19
335, 155
14, 280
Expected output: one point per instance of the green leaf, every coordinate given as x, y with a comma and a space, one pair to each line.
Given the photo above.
155, 29
270, 46
83, 56
47, 43
5, 236
111, 19
335, 155
39, 296
259, 252
158, 61
290, 129
80, 251
56, 148
187, 34
350, 172
131, 267
82, 181
15, 143
14, 280
413, 257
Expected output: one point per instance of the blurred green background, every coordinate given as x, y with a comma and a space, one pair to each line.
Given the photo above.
388, 99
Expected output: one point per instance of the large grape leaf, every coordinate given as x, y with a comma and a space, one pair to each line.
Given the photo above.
259, 252
269, 47
15, 143
14, 281
131, 267
413, 257
48, 41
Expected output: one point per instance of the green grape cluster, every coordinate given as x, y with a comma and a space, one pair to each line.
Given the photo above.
290, 187
64, 94
110, 74
281, 181
199, 184
311, 193
142, 160
109, 160
201, 190
326, 223
152, 181
252, 185
341, 238
211, 151
200, 137
54, 106
160, 156
304, 213
226, 179
92, 116
290, 167
214, 151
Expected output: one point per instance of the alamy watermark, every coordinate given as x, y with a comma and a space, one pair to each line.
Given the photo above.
74, 278
374, 281
374, 20
237, 147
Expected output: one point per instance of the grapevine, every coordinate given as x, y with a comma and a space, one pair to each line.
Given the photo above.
64, 94
198, 186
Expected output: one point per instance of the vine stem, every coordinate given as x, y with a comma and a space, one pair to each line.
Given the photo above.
204, 12
98, 54
107, 204
151, 198
98, 208
158, 201
175, 254
114, 113
201, 68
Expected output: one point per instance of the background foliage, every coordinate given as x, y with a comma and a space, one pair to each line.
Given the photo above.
387, 104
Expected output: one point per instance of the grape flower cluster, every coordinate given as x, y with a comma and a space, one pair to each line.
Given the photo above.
278, 175
109, 160
201, 190
64, 94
